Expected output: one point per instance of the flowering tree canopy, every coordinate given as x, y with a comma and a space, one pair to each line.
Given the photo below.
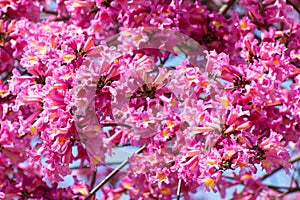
79, 79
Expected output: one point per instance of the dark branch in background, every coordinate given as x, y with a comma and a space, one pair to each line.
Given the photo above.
293, 176
296, 7
106, 124
276, 188
163, 61
50, 12
109, 176
178, 189
288, 190
88, 166
225, 7
78, 167
62, 19
282, 187
6, 76
93, 181
294, 159
210, 5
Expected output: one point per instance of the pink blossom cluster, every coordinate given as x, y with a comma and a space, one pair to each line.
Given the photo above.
62, 81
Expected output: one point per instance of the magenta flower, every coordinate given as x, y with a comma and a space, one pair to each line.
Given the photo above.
80, 80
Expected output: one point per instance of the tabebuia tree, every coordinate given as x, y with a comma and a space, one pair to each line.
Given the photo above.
204, 94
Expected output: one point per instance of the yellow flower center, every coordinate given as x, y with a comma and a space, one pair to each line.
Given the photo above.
209, 182
165, 191
217, 23
161, 176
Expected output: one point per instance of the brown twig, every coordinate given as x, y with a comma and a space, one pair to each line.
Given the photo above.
225, 7
294, 159
50, 12
93, 181
279, 188
178, 189
106, 124
114, 172
276, 188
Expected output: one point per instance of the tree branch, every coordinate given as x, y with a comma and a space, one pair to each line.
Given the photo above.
178, 189
106, 124
93, 181
294, 159
279, 188
50, 12
225, 7
276, 188
114, 172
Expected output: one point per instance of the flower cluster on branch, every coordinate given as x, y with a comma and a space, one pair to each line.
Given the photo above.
234, 111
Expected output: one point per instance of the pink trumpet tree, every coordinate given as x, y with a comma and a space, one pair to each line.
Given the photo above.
79, 79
